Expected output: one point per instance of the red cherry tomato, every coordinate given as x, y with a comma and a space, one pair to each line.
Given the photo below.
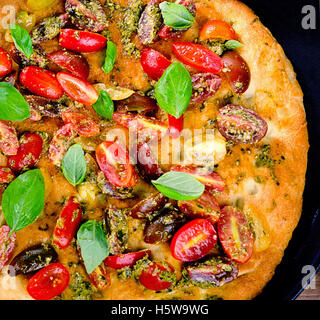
49, 282
7, 245
198, 57
194, 240
166, 32
6, 175
75, 63
235, 234
114, 161
9, 143
175, 125
236, 71
100, 278
67, 224
211, 180
61, 142
41, 82
126, 259
217, 29
151, 276
5, 63
77, 89
84, 125
206, 207
28, 153
81, 41
154, 63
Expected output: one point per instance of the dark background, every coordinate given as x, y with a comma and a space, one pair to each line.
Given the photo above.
283, 18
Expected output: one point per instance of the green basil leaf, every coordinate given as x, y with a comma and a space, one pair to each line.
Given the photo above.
13, 106
74, 165
104, 105
93, 244
174, 89
111, 55
179, 186
176, 15
233, 44
21, 39
23, 200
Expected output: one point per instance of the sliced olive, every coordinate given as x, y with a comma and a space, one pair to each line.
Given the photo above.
32, 259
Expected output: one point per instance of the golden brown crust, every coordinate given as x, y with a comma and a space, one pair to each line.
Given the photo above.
275, 94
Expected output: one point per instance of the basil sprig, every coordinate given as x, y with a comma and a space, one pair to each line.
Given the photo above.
21, 39
179, 186
176, 15
13, 106
174, 89
93, 244
233, 44
111, 55
104, 106
74, 165
23, 200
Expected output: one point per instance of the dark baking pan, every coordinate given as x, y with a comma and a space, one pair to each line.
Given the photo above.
284, 19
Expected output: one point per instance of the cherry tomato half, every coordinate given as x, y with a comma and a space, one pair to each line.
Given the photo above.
194, 240
6, 175
49, 282
81, 41
5, 63
100, 277
236, 71
77, 89
126, 259
197, 56
114, 161
217, 29
84, 125
67, 224
154, 63
7, 245
175, 125
41, 82
75, 63
235, 234
9, 143
151, 276
28, 153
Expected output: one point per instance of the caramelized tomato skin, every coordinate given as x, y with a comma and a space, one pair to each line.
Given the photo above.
49, 282
100, 278
126, 259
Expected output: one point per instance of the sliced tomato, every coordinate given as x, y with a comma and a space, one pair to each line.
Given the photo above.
211, 180
77, 89
6, 175
114, 161
49, 282
7, 245
152, 278
235, 234
206, 207
9, 143
60, 143
204, 85
5, 63
28, 153
154, 63
67, 224
41, 82
236, 71
145, 126
84, 125
126, 259
75, 63
217, 29
81, 41
197, 56
194, 240
175, 125
100, 277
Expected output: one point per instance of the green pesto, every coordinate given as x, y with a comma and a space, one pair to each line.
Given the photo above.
82, 290
124, 273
